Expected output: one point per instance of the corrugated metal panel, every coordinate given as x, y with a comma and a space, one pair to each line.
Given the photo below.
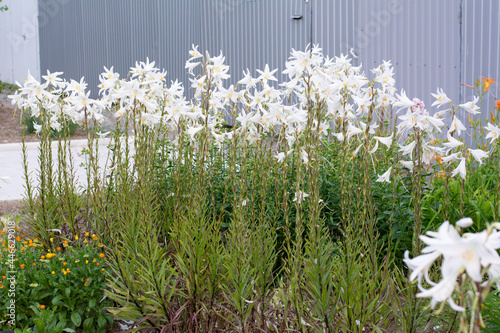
481, 48
334, 25
428, 45
252, 34
420, 37
96, 33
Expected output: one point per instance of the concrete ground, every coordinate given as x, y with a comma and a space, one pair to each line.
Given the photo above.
12, 180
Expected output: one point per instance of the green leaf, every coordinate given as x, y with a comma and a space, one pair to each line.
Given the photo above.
87, 324
76, 319
67, 291
92, 303
101, 321
57, 300
69, 330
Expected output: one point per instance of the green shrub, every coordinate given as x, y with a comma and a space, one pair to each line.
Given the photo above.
68, 279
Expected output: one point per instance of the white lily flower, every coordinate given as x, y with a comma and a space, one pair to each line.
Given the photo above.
408, 149
460, 169
190, 66
385, 177
385, 140
281, 156
193, 53
352, 130
191, 131
450, 158
300, 196
339, 136
407, 164
441, 98
356, 151
456, 125
471, 106
403, 101
374, 148
267, 74
38, 128
452, 142
479, 154
493, 132
470, 253
464, 222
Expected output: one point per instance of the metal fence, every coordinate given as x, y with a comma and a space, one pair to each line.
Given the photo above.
432, 43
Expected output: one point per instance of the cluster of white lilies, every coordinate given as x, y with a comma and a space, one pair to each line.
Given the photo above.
355, 110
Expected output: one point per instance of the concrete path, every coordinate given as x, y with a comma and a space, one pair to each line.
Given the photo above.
12, 180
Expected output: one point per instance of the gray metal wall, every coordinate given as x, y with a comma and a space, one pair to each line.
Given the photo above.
432, 43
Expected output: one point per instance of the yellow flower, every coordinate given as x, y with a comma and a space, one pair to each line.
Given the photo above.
86, 234
52, 272
50, 255
76, 237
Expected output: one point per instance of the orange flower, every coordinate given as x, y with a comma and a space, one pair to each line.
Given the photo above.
1, 285
487, 83
22, 266
97, 263
101, 255
497, 104
85, 283
64, 263
88, 280
42, 306
34, 264
4, 277
18, 238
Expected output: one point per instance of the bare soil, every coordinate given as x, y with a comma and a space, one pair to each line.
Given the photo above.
11, 128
